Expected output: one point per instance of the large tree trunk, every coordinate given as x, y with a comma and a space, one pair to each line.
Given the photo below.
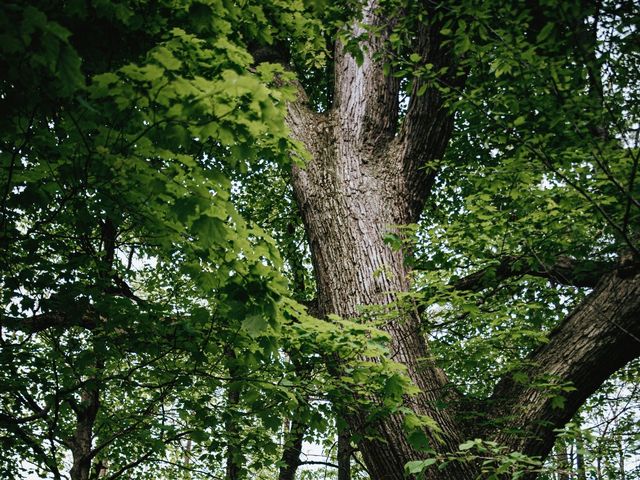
353, 192
367, 176
348, 205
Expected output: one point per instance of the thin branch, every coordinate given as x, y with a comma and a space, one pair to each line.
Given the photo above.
318, 462
564, 270
7, 423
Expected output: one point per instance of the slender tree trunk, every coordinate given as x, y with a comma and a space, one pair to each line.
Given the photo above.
294, 434
344, 455
233, 466
102, 469
621, 466
582, 471
81, 443
291, 451
562, 462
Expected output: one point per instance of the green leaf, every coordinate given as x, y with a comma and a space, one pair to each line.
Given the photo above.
558, 402
166, 58
211, 230
417, 466
468, 445
255, 324
520, 377
545, 32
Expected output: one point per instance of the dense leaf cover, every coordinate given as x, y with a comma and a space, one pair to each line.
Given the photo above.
149, 295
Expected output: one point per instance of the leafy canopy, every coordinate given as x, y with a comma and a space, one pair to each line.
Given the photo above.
134, 292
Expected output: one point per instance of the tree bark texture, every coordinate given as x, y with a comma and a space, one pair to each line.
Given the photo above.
366, 176
344, 455
294, 438
356, 189
81, 443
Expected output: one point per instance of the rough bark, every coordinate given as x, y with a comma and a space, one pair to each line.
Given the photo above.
353, 192
81, 442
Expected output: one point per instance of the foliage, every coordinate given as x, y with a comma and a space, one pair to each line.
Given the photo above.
135, 293
542, 167
537, 170
602, 440
495, 461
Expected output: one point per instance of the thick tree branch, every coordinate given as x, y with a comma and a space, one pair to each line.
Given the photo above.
600, 336
67, 318
564, 270
44, 321
427, 127
366, 101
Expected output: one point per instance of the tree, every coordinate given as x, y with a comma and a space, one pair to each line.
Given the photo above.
466, 181
371, 171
